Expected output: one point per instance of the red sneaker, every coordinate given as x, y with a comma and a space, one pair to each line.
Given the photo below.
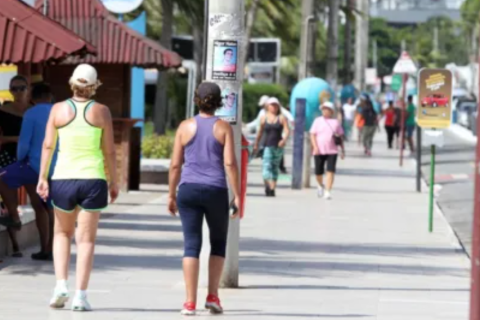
213, 304
189, 309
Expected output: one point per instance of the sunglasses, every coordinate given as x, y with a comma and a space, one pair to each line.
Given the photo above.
18, 89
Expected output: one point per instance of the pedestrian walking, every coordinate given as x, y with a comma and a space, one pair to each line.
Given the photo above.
11, 117
348, 118
79, 189
25, 172
371, 122
204, 146
390, 129
397, 125
326, 136
410, 124
359, 120
276, 130
254, 126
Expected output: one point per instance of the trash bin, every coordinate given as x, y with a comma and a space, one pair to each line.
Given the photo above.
243, 175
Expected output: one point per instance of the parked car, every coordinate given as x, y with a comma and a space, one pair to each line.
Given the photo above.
465, 109
435, 100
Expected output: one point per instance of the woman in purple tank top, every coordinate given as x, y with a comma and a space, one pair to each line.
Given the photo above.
204, 146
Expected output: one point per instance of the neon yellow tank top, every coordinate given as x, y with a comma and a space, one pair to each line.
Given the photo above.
80, 153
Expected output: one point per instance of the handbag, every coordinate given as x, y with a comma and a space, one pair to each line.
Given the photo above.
337, 139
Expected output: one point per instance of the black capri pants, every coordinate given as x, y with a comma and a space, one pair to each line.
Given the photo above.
321, 160
195, 201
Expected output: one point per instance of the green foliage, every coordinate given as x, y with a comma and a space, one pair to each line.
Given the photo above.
157, 147
252, 94
419, 43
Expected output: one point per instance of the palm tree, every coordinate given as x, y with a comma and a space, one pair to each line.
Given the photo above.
277, 12
163, 11
332, 59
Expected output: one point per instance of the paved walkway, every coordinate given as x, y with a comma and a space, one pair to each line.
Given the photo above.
364, 255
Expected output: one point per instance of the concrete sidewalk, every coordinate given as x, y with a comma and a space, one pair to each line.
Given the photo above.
366, 254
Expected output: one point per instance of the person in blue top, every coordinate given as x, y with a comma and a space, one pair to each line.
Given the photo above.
25, 172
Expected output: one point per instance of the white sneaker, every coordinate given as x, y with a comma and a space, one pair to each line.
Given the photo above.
328, 195
320, 191
81, 304
59, 298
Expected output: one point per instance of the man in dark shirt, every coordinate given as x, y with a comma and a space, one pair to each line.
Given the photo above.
371, 120
24, 172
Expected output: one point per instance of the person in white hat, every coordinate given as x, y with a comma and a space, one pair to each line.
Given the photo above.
276, 130
79, 189
326, 137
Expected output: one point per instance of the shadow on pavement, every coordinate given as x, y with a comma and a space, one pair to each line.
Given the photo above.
138, 226
281, 246
320, 269
375, 173
342, 288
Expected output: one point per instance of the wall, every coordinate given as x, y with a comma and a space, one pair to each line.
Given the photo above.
114, 92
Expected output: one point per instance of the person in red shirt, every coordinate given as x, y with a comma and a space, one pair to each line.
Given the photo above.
390, 117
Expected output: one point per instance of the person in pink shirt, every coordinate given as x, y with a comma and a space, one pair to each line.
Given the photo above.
326, 137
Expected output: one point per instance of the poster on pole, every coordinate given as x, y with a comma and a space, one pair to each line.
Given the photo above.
225, 60
435, 88
228, 112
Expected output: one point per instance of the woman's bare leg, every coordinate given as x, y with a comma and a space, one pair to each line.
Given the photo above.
63, 234
215, 268
191, 268
85, 240
330, 179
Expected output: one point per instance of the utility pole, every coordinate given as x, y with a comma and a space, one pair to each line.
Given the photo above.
475, 280
226, 30
303, 72
375, 55
347, 58
361, 43
332, 43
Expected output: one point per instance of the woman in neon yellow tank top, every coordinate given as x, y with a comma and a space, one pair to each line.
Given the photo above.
79, 188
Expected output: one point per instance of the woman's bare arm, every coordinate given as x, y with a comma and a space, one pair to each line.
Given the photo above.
230, 160
176, 162
108, 145
260, 132
49, 144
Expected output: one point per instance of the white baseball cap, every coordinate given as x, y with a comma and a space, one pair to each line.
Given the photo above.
84, 76
263, 100
273, 100
328, 105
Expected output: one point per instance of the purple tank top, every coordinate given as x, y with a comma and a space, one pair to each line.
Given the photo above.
203, 156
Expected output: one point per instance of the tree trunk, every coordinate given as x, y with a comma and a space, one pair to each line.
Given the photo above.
347, 57
160, 111
250, 22
198, 39
332, 43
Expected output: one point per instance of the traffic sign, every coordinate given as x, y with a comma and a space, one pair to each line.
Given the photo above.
396, 82
405, 64
121, 6
435, 88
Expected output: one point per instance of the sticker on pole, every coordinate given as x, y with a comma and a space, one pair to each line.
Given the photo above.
228, 112
225, 60
435, 88
405, 64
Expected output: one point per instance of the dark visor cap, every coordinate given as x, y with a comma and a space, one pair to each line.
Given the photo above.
209, 89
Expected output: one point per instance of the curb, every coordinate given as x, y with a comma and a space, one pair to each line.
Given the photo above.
454, 238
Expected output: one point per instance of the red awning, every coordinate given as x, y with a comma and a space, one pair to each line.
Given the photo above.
29, 37
116, 43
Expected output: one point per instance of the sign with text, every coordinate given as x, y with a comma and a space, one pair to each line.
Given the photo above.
434, 108
225, 60
228, 112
